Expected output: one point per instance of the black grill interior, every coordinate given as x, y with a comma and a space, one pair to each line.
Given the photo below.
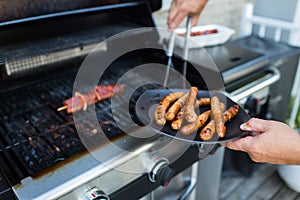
35, 136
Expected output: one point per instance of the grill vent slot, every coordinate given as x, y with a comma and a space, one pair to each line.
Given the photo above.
33, 63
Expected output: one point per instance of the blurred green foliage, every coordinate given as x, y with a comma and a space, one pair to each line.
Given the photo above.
297, 122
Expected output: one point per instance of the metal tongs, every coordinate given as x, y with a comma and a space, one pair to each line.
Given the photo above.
185, 53
169, 54
186, 48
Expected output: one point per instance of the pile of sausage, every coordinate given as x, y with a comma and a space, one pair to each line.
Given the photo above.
179, 106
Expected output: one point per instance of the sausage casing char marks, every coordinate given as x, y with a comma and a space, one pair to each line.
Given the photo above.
176, 107
231, 112
160, 111
209, 130
176, 124
192, 127
184, 108
217, 115
203, 102
189, 112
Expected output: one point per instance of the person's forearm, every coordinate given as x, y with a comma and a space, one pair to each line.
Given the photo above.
292, 154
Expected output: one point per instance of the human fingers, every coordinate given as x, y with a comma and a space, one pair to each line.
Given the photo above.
242, 144
255, 125
174, 9
195, 19
178, 18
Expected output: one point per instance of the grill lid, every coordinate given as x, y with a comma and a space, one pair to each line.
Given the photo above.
37, 43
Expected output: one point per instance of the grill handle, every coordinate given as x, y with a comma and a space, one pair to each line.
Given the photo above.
188, 190
249, 89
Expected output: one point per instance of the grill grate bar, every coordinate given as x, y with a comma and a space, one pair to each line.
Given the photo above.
10, 166
35, 136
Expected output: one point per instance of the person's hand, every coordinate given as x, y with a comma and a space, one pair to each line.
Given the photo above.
182, 8
273, 142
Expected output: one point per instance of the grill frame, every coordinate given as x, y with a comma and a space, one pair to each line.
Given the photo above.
78, 171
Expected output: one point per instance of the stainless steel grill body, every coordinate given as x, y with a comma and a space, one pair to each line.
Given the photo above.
42, 154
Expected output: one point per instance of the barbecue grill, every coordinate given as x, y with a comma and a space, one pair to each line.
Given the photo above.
44, 153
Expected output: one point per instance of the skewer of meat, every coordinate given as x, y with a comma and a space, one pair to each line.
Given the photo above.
189, 112
209, 130
201, 120
99, 93
217, 115
160, 111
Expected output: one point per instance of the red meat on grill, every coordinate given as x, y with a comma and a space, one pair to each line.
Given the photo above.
81, 101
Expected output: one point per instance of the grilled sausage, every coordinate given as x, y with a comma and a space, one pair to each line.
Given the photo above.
189, 112
160, 110
217, 115
176, 124
173, 110
209, 130
203, 102
228, 115
201, 120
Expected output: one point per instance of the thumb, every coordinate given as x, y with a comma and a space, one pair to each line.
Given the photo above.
242, 144
254, 125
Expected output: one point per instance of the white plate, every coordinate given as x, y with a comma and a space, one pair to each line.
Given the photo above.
223, 34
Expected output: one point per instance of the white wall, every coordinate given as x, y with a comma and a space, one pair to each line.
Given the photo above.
276, 9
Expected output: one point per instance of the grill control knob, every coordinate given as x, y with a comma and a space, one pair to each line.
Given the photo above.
157, 168
161, 173
95, 194
164, 176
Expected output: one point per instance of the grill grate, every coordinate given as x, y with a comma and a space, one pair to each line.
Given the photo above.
34, 136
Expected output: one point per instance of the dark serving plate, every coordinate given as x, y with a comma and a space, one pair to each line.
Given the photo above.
147, 102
